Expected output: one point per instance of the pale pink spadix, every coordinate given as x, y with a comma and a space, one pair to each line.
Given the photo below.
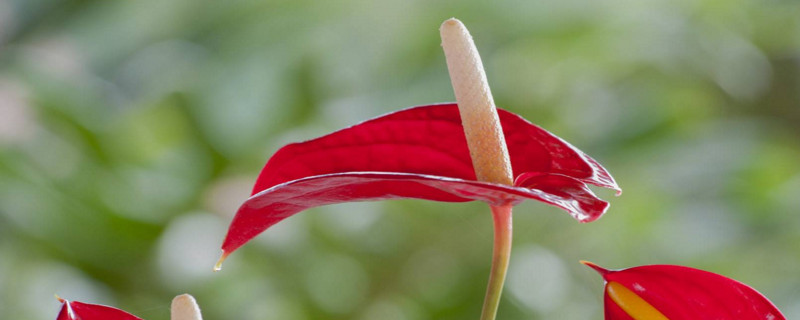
487, 145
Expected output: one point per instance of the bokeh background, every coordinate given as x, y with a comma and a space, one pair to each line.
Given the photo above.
131, 130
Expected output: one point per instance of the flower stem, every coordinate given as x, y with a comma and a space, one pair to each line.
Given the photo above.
485, 140
500, 257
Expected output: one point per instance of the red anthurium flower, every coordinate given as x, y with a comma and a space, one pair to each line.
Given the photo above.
183, 307
680, 293
449, 152
421, 153
74, 310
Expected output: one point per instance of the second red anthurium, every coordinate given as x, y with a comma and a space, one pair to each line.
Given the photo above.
661, 292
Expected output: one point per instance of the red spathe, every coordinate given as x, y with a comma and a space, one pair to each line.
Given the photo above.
683, 293
421, 153
74, 310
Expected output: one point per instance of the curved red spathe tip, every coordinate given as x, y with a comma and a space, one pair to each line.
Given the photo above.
602, 271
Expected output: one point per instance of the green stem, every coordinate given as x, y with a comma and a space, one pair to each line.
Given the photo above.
500, 257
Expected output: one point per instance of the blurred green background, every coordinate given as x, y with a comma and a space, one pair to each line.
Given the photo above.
130, 131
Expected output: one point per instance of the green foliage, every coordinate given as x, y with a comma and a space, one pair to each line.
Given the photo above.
131, 130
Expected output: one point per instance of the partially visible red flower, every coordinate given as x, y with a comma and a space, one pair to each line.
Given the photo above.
74, 310
420, 152
680, 293
183, 307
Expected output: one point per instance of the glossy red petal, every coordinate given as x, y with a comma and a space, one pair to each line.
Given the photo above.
533, 149
426, 140
73, 310
271, 206
420, 153
682, 293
